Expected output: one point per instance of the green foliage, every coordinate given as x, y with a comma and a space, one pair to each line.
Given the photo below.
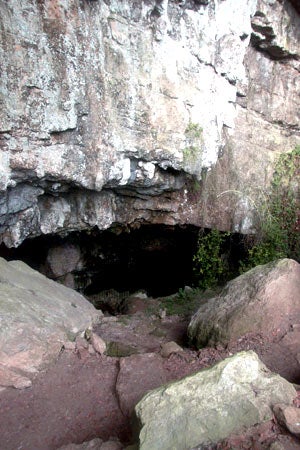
190, 153
193, 130
196, 186
262, 253
279, 215
182, 304
186, 302
193, 133
209, 265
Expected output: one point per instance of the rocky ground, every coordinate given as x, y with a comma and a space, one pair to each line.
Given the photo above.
85, 395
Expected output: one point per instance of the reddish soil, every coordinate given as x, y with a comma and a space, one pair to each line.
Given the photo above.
83, 396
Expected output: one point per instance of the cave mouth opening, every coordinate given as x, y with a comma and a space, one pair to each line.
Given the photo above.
157, 259
154, 258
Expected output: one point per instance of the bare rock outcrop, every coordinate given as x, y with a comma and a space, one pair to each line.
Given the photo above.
289, 417
110, 110
211, 404
264, 300
37, 317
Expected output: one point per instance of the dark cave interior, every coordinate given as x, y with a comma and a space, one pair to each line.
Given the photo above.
157, 259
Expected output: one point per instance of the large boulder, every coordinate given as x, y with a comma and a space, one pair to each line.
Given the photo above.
265, 299
211, 404
37, 316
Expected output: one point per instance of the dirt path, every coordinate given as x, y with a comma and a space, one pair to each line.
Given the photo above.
72, 401
83, 395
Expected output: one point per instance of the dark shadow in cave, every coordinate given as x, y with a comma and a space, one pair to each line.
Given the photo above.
155, 258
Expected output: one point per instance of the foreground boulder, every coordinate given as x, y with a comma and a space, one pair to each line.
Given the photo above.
264, 300
37, 316
210, 405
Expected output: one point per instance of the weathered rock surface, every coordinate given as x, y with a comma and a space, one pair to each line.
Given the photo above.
210, 405
37, 316
170, 347
109, 108
98, 344
9, 378
289, 417
95, 444
265, 300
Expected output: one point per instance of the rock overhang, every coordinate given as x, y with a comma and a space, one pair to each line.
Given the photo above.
119, 109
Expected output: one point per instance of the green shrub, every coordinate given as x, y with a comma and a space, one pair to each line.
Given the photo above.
279, 216
194, 130
183, 303
209, 265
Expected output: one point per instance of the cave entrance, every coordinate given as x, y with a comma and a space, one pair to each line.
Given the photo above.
154, 258
115, 263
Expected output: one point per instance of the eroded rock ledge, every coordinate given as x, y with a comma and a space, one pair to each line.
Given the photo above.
112, 112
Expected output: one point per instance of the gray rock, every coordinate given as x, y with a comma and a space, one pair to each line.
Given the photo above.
98, 343
170, 347
94, 444
139, 304
289, 417
277, 445
210, 405
9, 378
111, 445
265, 299
63, 259
37, 316
81, 343
91, 350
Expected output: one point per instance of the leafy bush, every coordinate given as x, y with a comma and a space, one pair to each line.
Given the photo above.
209, 265
279, 215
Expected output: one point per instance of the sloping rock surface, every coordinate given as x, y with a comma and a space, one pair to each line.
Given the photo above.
37, 316
208, 406
263, 300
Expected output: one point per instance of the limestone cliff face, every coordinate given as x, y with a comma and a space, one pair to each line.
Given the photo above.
142, 111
